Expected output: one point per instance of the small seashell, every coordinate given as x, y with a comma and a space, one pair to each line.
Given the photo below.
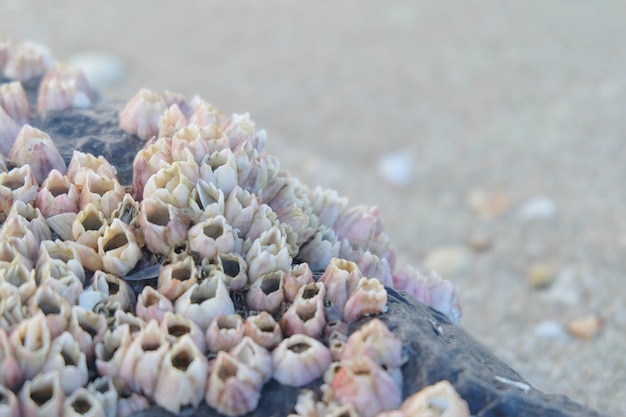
35, 148
364, 384
224, 332
64, 86
183, 377
175, 326
266, 293
369, 297
56, 309
103, 389
163, 225
9, 404
81, 163
254, 355
83, 403
88, 329
141, 363
118, 248
111, 350
204, 302
104, 193
16, 184
171, 121
42, 395
177, 277
263, 329
299, 360
211, 237
440, 399
11, 375
306, 314
141, 114
30, 60
14, 102
234, 388
57, 195
66, 358
152, 305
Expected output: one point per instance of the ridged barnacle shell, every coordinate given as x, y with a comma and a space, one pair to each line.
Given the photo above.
266, 292
11, 375
254, 355
111, 350
66, 357
174, 326
173, 184
224, 332
30, 60
177, 277
155, 155
162, 224
56, 258
200, 141
183, 377
16, 184
234, 388
9, 404
220, 168
21, 277
121, 318
204, 114
83, 403
377, 342
268, 253
64, 86
42, 396
89, 225
204, 302
34, 220
17, 233
363, 383
8, 254
14, 102
206, 200
437, 400
127, 211
299, 360
374, 266
12, 311
263, 329
320, 249
431, 290
306, 314
113, 288
57, 195
103, 192
141, 114
118, 248
299, 276
88, 329
327, 205
35, 148
340, 278
81, 163
130, 403
171, 121
104, 390
239, 209
56, 309
31, 343
152, 305
238, 128
212, 236
369, 297
9, 129
141, 364
231, 268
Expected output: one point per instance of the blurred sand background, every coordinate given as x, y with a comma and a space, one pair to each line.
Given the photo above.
491, 135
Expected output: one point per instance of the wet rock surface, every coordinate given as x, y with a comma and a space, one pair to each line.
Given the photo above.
436, 350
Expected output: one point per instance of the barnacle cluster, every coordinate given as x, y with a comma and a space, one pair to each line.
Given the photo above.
210, 274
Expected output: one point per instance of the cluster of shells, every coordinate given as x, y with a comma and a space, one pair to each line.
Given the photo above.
210, 274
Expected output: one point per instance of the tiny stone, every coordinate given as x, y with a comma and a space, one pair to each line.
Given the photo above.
480, 243
538, 208
585, 327
541, 275
447, 260
487, 203
396, 168
549, 329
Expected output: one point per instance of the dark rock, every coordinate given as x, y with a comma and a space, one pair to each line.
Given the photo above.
436, 350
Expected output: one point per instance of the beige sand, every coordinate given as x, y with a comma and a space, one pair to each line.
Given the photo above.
492, 105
